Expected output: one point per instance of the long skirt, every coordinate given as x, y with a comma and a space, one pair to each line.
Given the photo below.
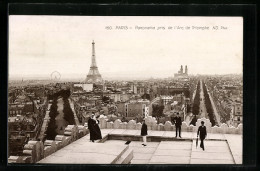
95, 133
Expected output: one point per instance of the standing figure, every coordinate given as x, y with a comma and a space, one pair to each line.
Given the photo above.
94, 129
144, 133
97, 129
202, 131
91, 127
178, 122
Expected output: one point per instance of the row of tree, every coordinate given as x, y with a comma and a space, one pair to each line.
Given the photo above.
196, 105
52, 126
68, 113
208, 105
157, 110
196, 102
189, 108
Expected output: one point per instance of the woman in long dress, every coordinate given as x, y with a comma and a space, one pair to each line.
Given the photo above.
94, 129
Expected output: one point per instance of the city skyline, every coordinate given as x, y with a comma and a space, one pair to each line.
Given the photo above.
39, 45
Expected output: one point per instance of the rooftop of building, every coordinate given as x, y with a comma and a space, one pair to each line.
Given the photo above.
223, 145
219, 149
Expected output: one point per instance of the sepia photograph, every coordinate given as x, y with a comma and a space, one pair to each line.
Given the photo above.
125, 89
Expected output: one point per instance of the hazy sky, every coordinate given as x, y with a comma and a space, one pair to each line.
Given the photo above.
39, 45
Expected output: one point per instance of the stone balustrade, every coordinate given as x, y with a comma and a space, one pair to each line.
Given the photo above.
34, 151
19, 159
152, 125
37, 150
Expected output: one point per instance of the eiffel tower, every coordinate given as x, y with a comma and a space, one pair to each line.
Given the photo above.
93, 74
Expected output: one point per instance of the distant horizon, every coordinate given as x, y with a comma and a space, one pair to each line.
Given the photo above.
45, 77
113, 74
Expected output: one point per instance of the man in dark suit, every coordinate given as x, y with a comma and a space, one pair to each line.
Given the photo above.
178, 122
144, 132
202, 131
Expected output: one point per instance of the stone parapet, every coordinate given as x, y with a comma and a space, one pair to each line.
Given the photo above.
19, 159
168, 126
34, 151
131, 124
103, 122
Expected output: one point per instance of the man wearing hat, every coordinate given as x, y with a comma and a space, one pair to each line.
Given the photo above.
178, 123
202, 131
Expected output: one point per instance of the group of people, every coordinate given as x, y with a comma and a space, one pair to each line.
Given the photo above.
202, 131
95, 133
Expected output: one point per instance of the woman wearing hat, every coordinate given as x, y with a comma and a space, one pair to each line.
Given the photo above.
144, 132
202, 131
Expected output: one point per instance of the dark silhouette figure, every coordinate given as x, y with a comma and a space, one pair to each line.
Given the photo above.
202, 132
178, 123
94, 129
144, 132
194, 120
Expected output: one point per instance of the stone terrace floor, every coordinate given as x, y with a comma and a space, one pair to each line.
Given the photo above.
219, 148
